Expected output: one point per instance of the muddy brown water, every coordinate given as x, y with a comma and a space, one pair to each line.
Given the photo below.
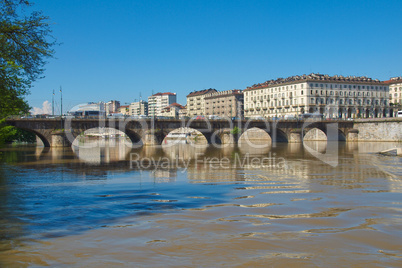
284, 206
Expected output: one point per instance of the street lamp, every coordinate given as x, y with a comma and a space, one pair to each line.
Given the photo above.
53, 103
61, 102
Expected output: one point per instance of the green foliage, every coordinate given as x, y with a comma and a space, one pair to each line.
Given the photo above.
9, 134
235, 130
25, 43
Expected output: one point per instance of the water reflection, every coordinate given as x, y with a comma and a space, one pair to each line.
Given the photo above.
184, 152
317, 146
251, 150
276, 202
98, 150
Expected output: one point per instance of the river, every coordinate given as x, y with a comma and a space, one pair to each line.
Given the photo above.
115, 206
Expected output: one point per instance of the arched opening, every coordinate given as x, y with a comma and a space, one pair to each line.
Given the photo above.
331, 113
102, 145
40, 136
255, 138
184, 135
341, 135
277, 135
375, 113
135, 138
315, 134
45, 141
349, 112
367, 113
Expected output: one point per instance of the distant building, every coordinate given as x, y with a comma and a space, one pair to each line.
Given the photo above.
124, 110
395, 93
112, 106
138, 108
196, 102
224, 103
88, 109
333, 96
173, 110
159, 101
183, 112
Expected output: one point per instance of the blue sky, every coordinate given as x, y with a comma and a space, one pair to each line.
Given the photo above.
121, 49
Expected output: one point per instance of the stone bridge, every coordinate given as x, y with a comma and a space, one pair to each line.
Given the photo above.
63, 131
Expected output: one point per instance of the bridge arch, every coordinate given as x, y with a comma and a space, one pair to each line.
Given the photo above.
184, 135
255, 137
46, 140
97, 136
279, 135
44, 136
318, 131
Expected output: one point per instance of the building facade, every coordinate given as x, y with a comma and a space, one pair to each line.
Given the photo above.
124, 110
333, 96
159, 101
183, 112
173, 110
196, 102
395, 94
138, 108
88, 109
112, 107
224, 103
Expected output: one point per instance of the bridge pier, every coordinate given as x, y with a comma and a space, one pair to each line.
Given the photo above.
353, 135
59, 139
295, 136
150, 139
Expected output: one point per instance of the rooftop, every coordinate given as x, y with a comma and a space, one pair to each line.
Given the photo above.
394, 80
201, 92
164, 93
315, 77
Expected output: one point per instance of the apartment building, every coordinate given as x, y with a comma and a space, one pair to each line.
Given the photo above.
159, 101
196, 102
173, 110
224, 103
138, 108
112, 106
124, 110
183, 112
395, 93
333, 96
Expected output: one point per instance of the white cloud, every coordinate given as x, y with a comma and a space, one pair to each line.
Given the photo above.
46, 108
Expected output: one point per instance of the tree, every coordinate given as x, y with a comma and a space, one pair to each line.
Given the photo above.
25, 44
